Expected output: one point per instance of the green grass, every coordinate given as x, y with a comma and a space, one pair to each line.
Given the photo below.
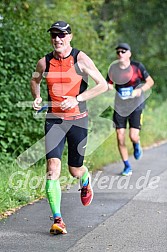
19, 187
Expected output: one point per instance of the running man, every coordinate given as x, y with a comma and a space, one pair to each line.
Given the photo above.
66, 70
131, 80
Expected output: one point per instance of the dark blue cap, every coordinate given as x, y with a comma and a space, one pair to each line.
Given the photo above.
123, 46
60, 25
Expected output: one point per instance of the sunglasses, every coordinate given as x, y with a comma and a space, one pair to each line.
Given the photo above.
60, 35
121, 51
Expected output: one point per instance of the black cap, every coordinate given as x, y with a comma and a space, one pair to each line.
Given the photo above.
60, 25
123, 46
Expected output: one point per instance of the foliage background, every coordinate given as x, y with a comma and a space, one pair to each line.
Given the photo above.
97, 25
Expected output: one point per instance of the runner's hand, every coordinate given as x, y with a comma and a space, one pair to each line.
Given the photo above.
70, 102
36, 103
137, 92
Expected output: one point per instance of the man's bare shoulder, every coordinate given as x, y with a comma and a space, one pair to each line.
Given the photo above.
83, 57
42, 62
84, 62
41, 65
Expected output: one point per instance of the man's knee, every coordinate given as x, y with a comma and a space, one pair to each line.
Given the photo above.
134, 135
53, 168
77, 172
121, 137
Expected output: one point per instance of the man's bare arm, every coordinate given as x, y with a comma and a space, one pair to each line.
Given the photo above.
146, 86
35, 83
87, 66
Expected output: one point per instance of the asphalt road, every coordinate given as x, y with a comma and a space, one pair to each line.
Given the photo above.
128, 214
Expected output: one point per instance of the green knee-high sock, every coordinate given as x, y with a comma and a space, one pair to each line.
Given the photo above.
53, 192
84, 178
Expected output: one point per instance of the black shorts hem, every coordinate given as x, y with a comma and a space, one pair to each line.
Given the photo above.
76, 165
49, 157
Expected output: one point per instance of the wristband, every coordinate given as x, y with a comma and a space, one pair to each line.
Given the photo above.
77, 99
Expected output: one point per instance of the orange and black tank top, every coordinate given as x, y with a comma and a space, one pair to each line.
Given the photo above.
64, 78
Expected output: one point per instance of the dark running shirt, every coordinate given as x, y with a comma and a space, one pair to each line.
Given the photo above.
125, 81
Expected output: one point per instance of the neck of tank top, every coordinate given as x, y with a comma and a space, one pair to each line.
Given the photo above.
61, 56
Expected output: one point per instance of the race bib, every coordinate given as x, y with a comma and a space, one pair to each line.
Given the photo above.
125, 93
